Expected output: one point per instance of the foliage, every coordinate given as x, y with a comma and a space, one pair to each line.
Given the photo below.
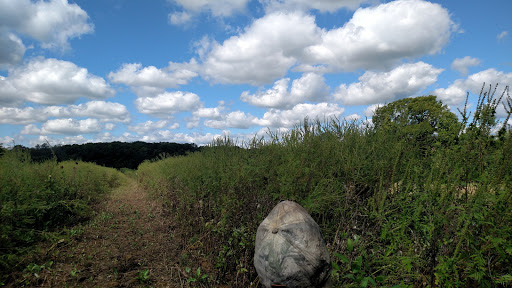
429, 197
37, 200
115, 154
422, 121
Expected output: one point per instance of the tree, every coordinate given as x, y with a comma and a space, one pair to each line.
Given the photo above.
422, 121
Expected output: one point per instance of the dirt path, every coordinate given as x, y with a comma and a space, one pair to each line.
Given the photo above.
128, 244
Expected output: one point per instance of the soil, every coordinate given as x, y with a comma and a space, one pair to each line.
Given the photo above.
129, 243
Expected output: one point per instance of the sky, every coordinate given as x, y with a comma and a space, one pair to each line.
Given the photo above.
188, 71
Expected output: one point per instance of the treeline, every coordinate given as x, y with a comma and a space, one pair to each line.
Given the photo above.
114, 154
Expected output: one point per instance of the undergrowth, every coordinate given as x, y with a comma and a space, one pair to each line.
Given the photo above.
39, 200
394, 213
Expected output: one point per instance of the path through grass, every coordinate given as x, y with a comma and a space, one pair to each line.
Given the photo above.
129, 243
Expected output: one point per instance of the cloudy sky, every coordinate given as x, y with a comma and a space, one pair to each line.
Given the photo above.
76, 71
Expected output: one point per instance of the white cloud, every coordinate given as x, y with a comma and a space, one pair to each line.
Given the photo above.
236, 119
6, 141
168, 103
148, 80
372, 39
352, 117
321, 5
145, 127
9, 95
462, 64
104, 111
110, 126
502, 36
210, 113
52, 22
370, 110
403, 81
10, 115
12, 50
216, 8
275, 118
264, 52
52, 81
310, 87
179, 18
379, 36
64, 126
456, 93
77, 139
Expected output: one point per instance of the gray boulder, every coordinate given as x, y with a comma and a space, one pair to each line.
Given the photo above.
290, 249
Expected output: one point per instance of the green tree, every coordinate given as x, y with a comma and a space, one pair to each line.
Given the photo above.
422, 121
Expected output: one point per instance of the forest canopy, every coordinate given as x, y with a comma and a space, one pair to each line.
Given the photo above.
114, 154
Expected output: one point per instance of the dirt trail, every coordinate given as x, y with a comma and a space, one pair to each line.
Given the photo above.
128, 244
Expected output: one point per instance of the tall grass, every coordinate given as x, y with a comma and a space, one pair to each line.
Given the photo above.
390, 213
38, 199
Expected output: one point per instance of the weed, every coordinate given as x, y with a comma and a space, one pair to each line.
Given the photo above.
143, 277
197, 276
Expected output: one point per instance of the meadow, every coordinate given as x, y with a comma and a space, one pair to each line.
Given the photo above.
398, 207
43, 202
416, 198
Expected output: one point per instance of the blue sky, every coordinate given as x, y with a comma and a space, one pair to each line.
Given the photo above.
192, 70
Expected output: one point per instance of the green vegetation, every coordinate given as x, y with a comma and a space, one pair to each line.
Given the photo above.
418, 199
39, 200
114, 154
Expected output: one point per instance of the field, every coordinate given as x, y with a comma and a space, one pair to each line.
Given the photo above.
399, 205
391, 213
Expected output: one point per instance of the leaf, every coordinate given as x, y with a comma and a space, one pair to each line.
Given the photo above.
350, 245
364, 282
335, 267
379, 278
341, 257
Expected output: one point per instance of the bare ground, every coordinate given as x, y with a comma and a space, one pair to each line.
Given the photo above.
129, 243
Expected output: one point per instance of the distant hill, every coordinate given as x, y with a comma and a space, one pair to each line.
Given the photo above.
113, 154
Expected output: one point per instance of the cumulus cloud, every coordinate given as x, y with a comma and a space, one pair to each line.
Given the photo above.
214, 113
216, 8
376, 38
103, 111
275, 118
462, 64
264, 52
52, 22
377, 87
372, 39
149, 80
310, 87
64, 126
12, 50
236, 119
456, 93
321, 5
151, 126
168, 103
370, 110
52, 81
11, 115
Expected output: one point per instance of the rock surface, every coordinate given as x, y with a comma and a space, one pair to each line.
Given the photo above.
290, 249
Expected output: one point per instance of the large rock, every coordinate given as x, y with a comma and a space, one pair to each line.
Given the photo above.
290, 249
